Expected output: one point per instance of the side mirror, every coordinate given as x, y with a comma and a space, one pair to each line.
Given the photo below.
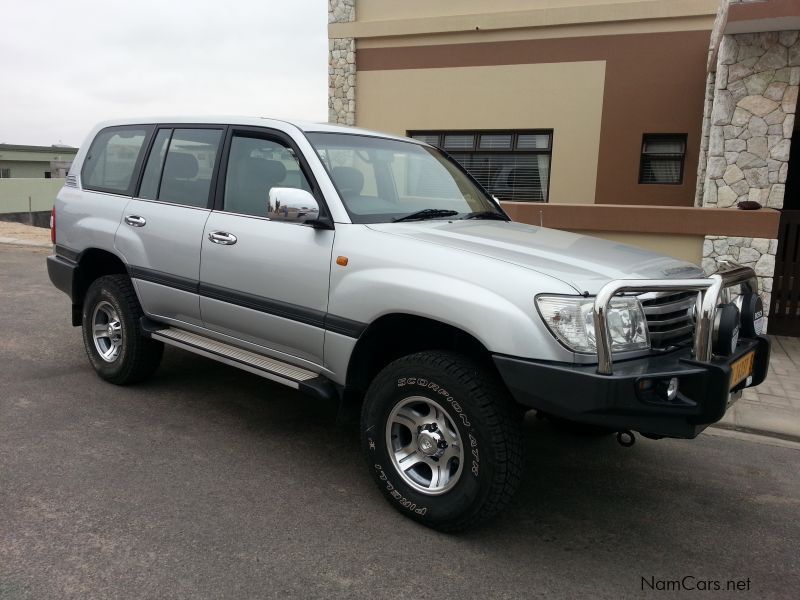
293, 205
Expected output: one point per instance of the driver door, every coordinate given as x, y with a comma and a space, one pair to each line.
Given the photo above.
264, 281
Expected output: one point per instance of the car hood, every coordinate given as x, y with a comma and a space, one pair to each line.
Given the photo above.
582, 261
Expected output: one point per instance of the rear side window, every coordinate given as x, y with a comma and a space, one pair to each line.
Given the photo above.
181, 165
112, 159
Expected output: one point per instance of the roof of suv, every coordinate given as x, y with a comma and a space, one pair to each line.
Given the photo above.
306, 126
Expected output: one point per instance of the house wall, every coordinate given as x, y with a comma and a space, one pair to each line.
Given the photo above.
30, 163
672, 230
450, 66
25, 168
28, 194
567, 97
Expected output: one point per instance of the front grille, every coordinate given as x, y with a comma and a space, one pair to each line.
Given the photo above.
670, 318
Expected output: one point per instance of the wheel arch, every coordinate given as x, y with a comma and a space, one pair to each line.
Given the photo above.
93, 263
394, 335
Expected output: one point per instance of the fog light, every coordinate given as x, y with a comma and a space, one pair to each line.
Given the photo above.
726, 330
752, 314
645, 385
668, 389
672, 388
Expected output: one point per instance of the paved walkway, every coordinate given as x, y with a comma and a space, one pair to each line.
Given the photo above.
774, 406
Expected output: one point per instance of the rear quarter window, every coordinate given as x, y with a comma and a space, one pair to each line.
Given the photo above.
113, 159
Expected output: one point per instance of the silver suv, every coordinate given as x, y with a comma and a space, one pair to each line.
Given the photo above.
373, 270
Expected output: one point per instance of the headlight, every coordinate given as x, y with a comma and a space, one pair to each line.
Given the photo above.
570, 319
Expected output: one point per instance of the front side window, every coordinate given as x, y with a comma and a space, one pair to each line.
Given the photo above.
180, 166
511, 165
662, 158
380, 180
112, 158
255, 166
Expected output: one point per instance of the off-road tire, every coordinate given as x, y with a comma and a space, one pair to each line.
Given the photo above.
139, 356
488, 426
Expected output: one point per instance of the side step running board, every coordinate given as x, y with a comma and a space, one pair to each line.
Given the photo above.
275, 370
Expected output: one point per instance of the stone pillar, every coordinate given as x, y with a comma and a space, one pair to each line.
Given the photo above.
752, 111
704, 136
342, 66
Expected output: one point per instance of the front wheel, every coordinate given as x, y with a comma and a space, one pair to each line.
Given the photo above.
442, 440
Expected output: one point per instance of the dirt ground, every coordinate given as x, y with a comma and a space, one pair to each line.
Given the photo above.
26, 233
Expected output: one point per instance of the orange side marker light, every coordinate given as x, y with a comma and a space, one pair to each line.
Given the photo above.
341, 261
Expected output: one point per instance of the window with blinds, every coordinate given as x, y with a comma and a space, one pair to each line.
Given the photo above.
512, 165
662, 158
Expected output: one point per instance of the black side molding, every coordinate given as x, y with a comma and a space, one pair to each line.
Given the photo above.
179, 283
301, 314
343, 326
285, 310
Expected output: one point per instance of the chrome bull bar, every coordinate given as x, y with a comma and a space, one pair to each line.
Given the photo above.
709, 288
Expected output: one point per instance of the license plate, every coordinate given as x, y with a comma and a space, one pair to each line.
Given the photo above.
741, 369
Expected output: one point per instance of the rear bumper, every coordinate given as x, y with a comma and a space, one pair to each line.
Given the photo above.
63, 274
579, 393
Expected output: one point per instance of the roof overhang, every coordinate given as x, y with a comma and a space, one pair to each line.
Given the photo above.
757, 17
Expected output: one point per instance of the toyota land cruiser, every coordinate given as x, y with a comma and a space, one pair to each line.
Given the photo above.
373, 270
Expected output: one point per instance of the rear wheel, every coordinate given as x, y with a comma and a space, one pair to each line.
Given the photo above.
442, 440
112, 334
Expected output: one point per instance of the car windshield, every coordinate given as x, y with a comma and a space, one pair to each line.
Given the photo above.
382, 180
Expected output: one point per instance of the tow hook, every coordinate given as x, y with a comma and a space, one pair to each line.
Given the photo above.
626, 438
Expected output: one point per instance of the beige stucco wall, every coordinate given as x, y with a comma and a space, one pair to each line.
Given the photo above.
552, 11
685, 247
15, 194
510, 18
567, 97
375, 10
538, 33
26, 169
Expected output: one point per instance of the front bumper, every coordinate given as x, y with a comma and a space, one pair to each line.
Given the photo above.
579, 393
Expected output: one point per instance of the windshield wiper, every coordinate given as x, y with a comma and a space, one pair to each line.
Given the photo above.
427, 213
487, 214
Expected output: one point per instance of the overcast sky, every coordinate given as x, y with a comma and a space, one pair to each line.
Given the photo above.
68, 65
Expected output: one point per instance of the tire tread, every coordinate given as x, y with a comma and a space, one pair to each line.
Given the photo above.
500, 417
144, 354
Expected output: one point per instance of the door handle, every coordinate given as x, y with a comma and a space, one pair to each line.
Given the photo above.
135, 221
222, 237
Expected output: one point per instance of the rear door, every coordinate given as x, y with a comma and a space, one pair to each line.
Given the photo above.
265, 281
89, 215
162, 227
